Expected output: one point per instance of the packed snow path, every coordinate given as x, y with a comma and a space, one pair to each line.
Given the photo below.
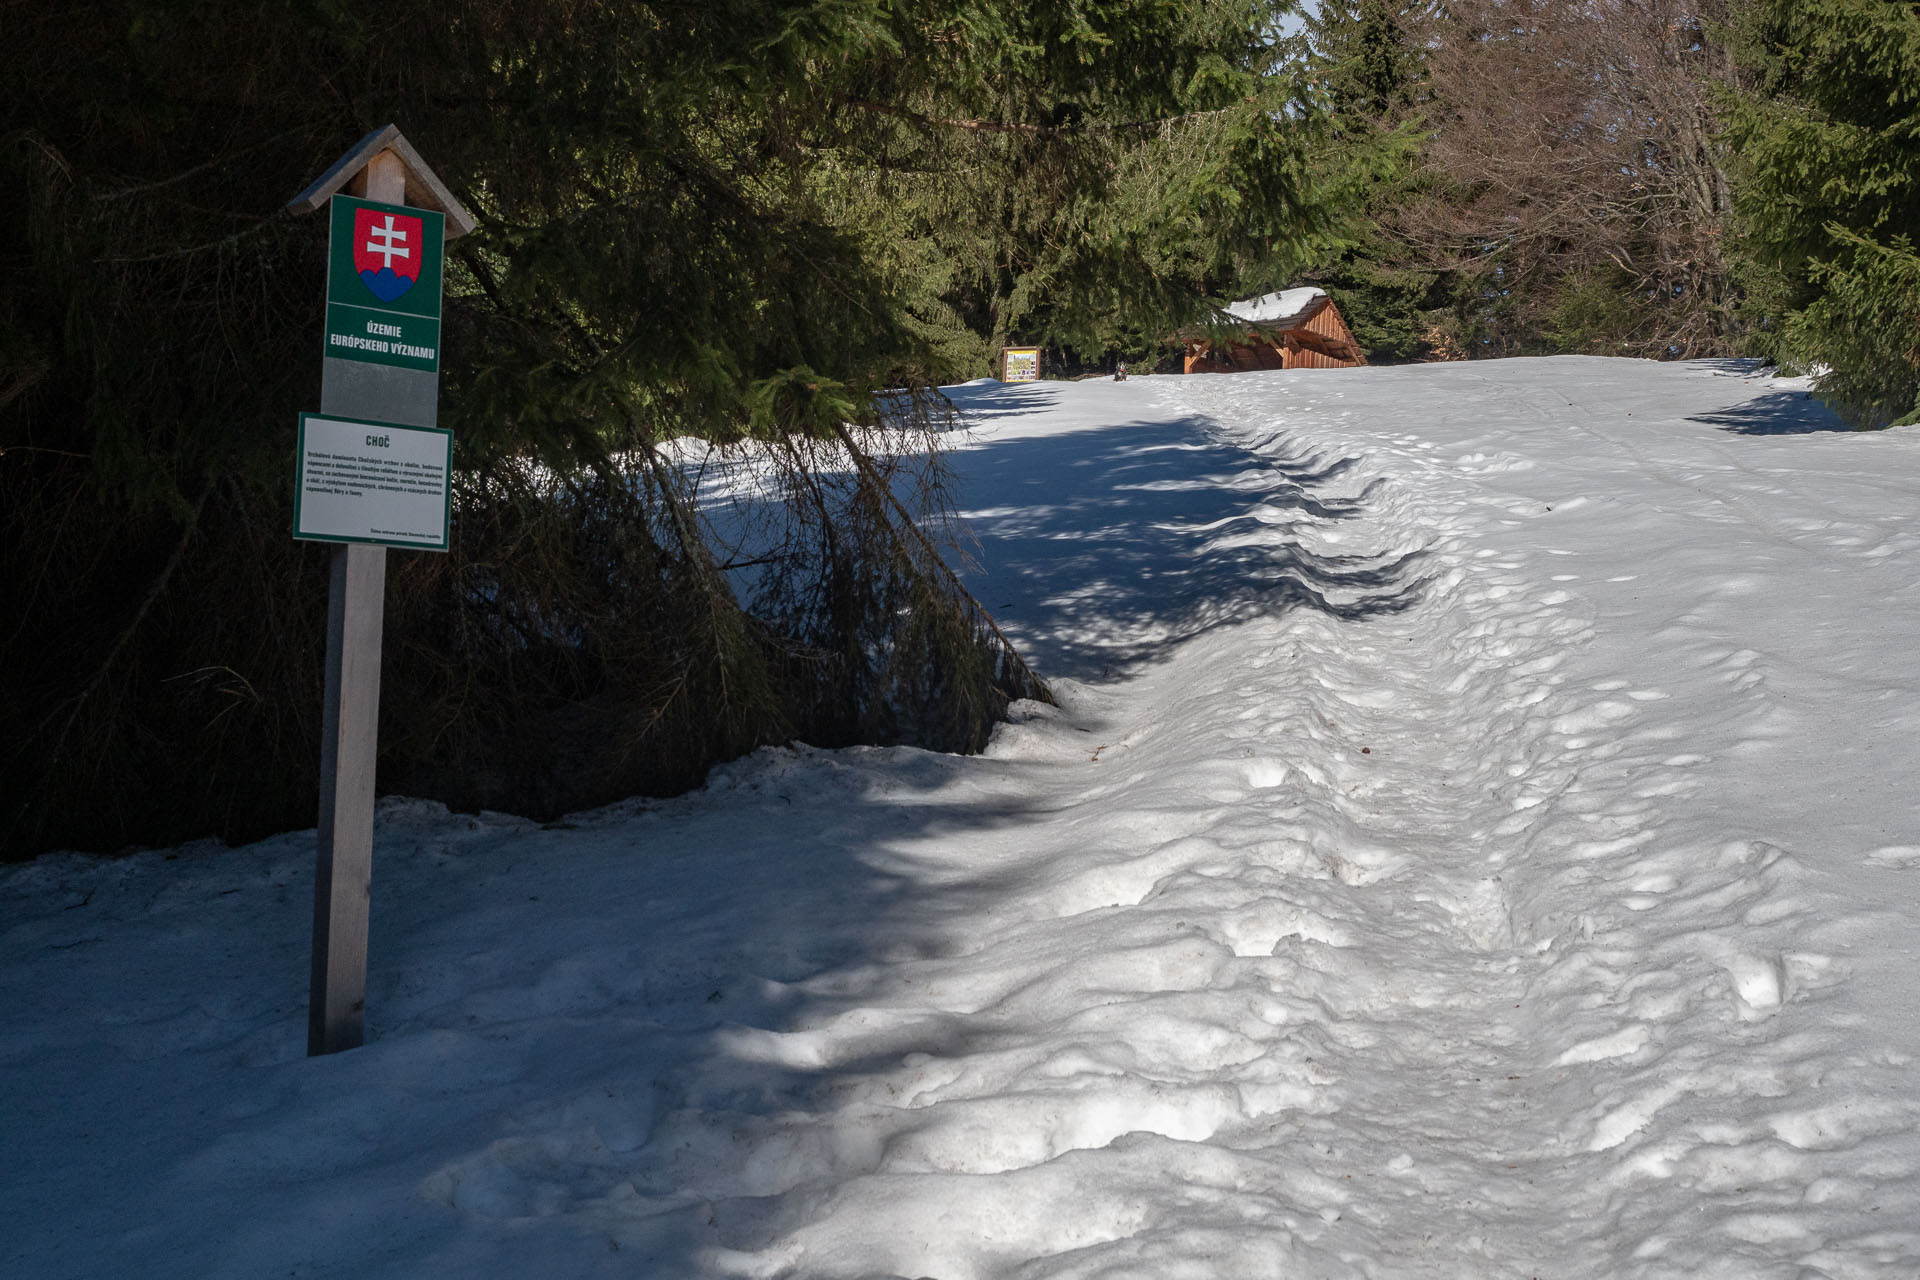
1476, 840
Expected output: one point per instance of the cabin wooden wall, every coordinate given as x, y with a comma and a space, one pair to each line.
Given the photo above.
1241, 356
1308, 358
1311, 344
1327, 325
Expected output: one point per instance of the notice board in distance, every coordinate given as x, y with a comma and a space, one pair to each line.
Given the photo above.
1020, 364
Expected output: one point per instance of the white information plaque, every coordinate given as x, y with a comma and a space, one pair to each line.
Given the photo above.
373, 482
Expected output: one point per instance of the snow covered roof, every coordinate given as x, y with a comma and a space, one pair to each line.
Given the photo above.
1280, 308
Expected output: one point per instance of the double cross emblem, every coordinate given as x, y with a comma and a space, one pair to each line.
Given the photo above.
391, 240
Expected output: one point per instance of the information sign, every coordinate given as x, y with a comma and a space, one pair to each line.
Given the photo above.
384, 267
372, 472
373, 482
1020, 364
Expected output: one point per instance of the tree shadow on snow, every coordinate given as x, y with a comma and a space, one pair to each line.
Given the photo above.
699, 1017
619, 1044
1778, 413
783, 922
1120, 542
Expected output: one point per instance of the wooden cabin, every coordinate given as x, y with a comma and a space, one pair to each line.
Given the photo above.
1292, 329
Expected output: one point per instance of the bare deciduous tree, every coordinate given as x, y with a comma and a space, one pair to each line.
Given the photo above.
1578, 189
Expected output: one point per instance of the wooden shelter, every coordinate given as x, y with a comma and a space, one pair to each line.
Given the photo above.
1293, 329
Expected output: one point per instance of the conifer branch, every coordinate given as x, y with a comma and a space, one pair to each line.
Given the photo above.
884, 492
1026, 130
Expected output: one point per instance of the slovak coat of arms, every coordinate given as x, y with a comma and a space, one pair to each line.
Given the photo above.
386, 251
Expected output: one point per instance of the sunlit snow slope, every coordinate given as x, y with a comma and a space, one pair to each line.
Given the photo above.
1478, 838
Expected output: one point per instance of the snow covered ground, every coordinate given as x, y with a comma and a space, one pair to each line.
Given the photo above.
1478, 838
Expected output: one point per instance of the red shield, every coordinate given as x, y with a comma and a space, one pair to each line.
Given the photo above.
386, 251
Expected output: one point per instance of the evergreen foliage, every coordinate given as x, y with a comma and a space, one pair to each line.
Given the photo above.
1367, 59
765, 225
1828, 132
1366, 63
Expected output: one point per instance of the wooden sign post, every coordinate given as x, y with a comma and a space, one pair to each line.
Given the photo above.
372, 466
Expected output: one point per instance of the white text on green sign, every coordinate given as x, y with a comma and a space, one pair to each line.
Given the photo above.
384, 268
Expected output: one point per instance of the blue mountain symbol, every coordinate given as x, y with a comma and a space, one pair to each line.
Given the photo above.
384, 284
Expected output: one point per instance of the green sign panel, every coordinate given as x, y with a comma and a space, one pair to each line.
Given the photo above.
383, 284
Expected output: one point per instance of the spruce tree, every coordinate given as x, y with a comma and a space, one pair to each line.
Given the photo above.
1365, 55
1366, 66
1828, 137
770, 227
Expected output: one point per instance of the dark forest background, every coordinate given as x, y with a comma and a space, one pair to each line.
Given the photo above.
774, 228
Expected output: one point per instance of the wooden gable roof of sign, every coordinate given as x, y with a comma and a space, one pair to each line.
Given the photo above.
424, 188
